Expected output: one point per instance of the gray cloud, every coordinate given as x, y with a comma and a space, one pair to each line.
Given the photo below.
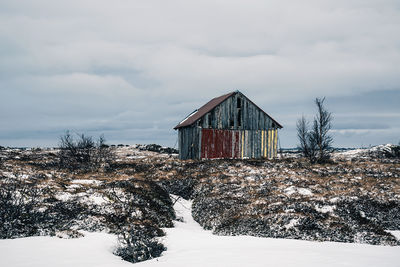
134, 69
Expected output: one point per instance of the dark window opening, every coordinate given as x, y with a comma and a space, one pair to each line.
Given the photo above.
209, 120
239, 118
238, 103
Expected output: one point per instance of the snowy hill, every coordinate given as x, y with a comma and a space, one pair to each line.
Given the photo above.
380, 151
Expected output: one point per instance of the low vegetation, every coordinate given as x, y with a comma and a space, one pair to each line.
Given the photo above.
39, 198
81, 152
354, 198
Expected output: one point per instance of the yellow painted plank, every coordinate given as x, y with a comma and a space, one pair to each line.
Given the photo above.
266, 141
272, 144
265, 144
269, 143
276, 143
262, 142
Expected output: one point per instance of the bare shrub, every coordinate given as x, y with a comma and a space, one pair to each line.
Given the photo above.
1, 157
30, 209
83, 153
19, 214
139, 243
140, 208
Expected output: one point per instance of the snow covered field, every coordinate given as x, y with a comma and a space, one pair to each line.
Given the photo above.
189, 245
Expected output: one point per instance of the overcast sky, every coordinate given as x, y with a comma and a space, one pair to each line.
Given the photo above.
133, 69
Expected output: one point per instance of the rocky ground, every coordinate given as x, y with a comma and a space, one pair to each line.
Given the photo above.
355, 198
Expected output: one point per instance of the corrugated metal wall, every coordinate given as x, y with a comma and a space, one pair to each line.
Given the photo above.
220, 144
217, 143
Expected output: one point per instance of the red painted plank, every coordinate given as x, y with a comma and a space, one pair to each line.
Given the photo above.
236, 145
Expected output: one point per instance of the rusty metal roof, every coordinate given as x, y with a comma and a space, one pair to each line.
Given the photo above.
197, 114
193, 117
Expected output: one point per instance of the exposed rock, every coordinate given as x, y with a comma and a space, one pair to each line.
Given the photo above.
158, 148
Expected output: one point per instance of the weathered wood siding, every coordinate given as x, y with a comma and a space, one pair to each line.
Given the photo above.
236, 128
189, 142
236, 113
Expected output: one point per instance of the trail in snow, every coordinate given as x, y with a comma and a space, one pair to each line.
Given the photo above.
189, 245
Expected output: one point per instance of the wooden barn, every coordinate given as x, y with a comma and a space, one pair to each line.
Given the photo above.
229, 126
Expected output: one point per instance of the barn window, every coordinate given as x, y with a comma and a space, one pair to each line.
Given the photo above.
238, 112
231, 122
238, 103
209, 120
239, 117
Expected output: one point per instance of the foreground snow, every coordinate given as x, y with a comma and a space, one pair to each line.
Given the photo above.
189, 245
95, 249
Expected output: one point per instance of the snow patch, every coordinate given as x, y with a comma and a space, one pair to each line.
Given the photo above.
291, 224
98, 199
395, 234
190, 115
87, 181
302, 191
325, 208
63, 196
290, 190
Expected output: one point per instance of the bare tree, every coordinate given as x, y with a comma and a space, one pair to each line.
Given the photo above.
316, 143
302, 135
320, 130
307, 144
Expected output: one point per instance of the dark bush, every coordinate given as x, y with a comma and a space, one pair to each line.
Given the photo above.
180, 187
139, 209
28, 209
138, 243
158, 148
18, 213
394, 153
83, 153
